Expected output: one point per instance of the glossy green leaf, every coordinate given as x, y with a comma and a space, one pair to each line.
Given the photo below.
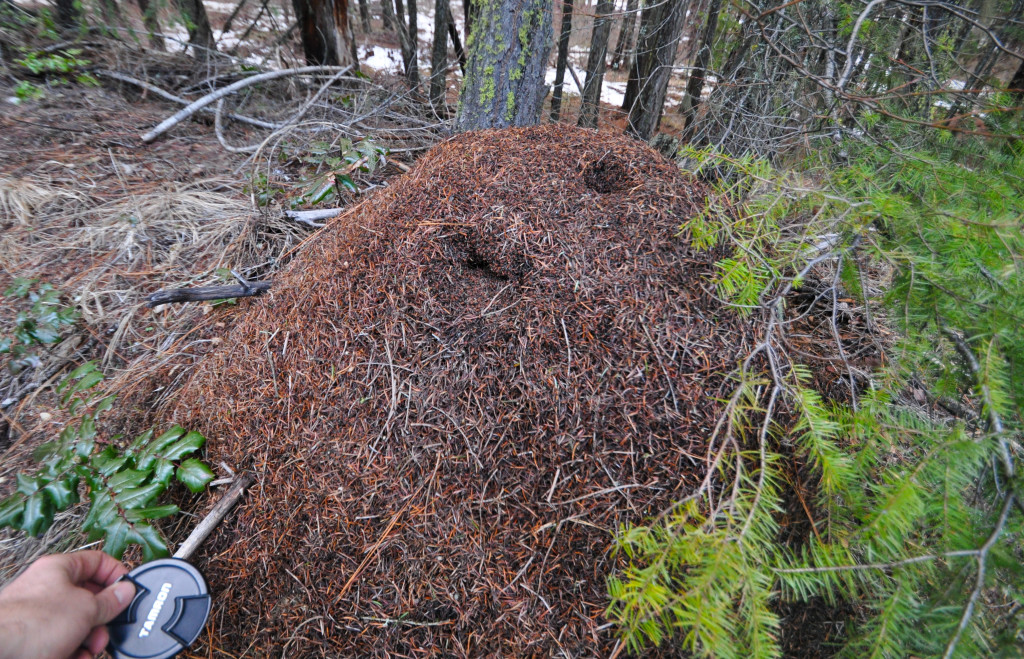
138, 497
194, 475
11, 509
163, 471
28, 485
63, 493
152, 512
37, 516
107, 461
44, 451
148, 537
127, 478
117, 535
191, 442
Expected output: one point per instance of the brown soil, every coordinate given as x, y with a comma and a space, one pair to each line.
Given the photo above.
453, 397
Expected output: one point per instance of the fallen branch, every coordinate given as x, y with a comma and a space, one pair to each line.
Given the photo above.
219, 512
153, 89
200, 293
312, 217
213, 97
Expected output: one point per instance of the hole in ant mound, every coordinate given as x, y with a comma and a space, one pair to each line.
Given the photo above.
478, 265
606, 176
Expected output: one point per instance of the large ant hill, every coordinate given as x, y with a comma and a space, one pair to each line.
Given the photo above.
453, 397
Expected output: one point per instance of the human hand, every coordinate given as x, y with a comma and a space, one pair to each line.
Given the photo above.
59, 606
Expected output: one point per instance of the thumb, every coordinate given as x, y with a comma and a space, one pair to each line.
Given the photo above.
112, 600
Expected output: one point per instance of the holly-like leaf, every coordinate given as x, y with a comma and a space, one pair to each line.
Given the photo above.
194, 475
37, 516
127, 478
11, 509
20, 287
152, 512
153, 545
117, 532
28, 485
137, 497
163, 471
190, 443
63, 493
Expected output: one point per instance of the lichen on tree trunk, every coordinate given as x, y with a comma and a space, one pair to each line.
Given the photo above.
508, 53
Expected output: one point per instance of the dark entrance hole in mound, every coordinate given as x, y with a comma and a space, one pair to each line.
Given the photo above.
606, 175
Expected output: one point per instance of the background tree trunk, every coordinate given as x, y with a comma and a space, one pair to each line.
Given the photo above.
439, 55
470, 8
325, 31
655, 55
409, 63
387, 14
68, 15
563, 57
364, 15
199, 33
596, 64
453, 32
624, 44
508, 54
414, 39
152, 23
695, 84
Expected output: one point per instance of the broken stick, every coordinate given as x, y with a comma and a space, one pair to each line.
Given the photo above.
220, 510
199, 293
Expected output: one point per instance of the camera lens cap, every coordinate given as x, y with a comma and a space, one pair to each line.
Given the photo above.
169, 611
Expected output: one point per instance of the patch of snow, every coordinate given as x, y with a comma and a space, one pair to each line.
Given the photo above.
379, 58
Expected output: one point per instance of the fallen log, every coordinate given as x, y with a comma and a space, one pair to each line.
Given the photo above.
199, 293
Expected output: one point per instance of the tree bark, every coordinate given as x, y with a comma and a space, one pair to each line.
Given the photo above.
453, 32
660, 28
414, 39
325, 31
387, 14
364, 15
68, 15
409, 63
1016, 85
596, 64
695, 84
508, 54
200, 36
470, 8
439, 55
624, 44
563, 57
152, 23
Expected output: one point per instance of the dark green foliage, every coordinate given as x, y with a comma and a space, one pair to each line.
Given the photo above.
122, 484
38, 325
916, 516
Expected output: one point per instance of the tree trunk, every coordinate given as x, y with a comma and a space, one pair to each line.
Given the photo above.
200, 36
624, 44
470, 9
409, 63
152, 23
68, 14
414, 39
439, 55
453, 32
563, 57
1016, 86
596, 65
660, 27
695, 84
325, 31
387, 14
364, 15
508, 54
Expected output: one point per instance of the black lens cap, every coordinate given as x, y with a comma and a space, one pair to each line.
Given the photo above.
169, 611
